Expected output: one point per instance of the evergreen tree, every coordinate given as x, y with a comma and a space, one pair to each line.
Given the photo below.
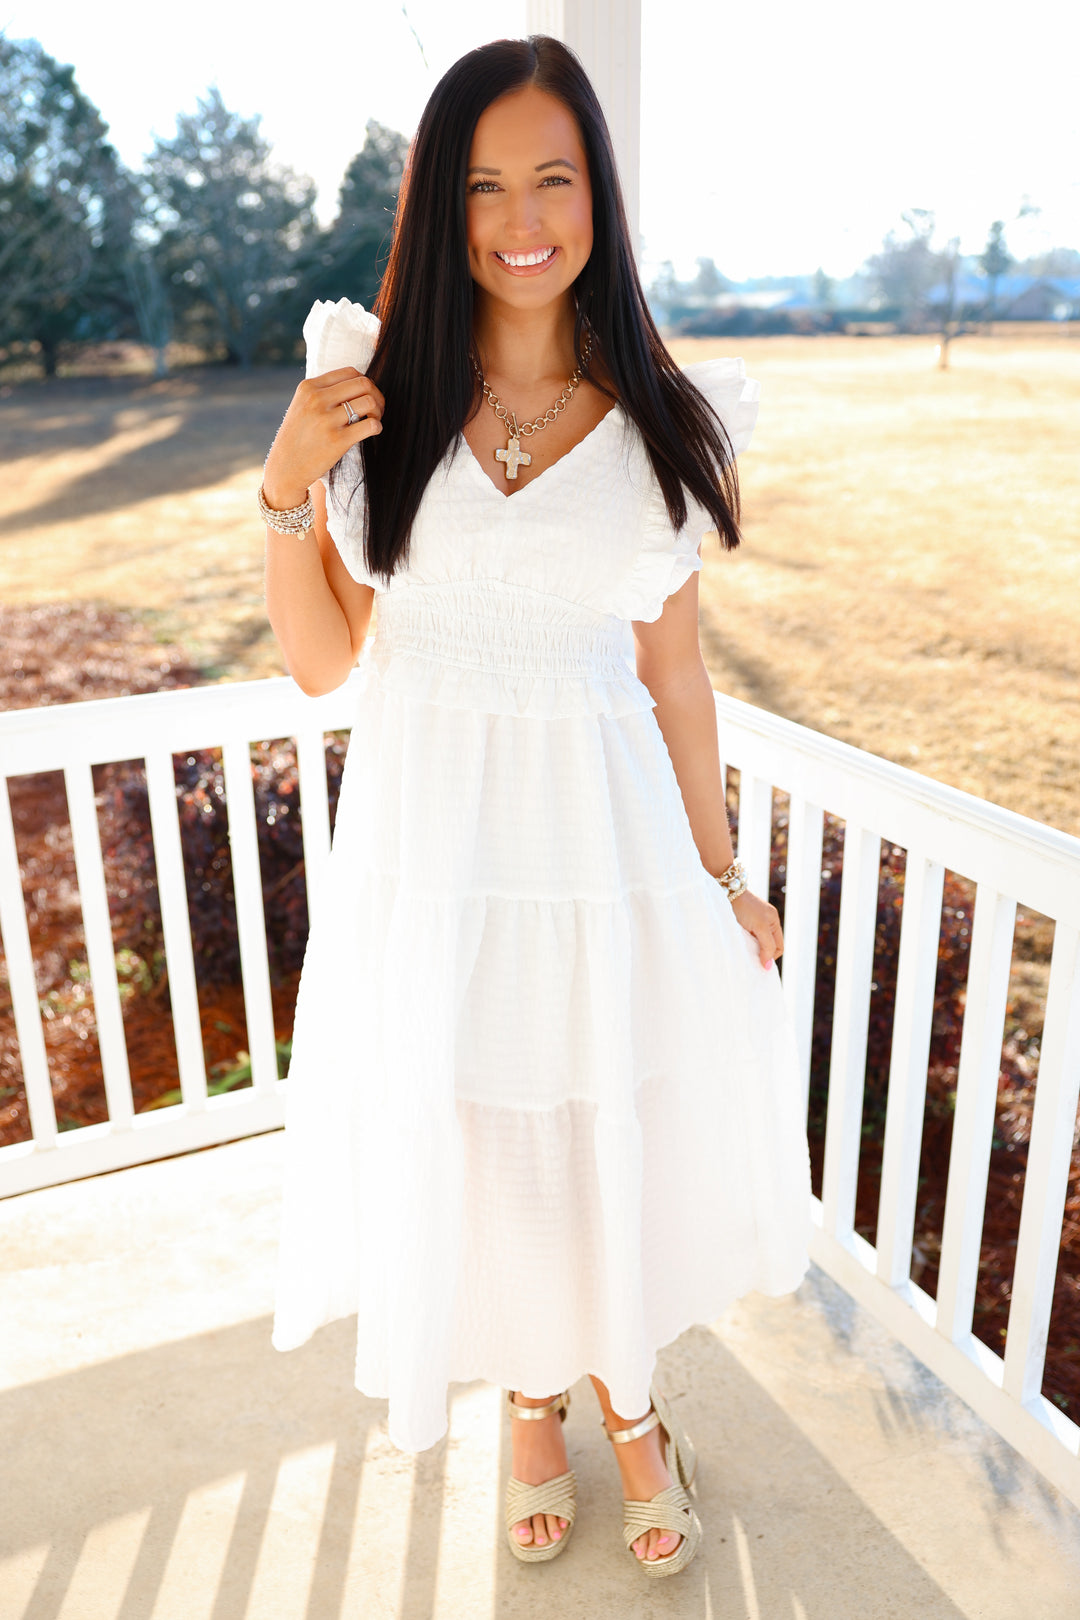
995, 261
233, 226
708, 284
66, 208
824, 289
349, 259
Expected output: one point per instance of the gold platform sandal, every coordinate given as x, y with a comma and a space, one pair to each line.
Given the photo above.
555, 1496
671, 1508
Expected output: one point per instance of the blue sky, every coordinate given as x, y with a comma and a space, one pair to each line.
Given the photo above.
775, 136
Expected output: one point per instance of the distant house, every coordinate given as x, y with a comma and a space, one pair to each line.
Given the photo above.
749, 307
1018, 297
1043, 299
971, 291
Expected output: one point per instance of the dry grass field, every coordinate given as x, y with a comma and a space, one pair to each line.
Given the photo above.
910, 580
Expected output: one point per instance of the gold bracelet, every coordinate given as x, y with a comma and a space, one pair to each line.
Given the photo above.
734, 881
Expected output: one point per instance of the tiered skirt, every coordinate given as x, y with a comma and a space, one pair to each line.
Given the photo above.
543, 1109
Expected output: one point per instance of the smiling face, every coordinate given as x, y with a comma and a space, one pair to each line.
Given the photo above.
529, 201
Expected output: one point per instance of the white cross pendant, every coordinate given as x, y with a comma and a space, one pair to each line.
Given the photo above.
514, 457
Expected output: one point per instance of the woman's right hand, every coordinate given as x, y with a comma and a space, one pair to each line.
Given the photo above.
762, 921
316, 432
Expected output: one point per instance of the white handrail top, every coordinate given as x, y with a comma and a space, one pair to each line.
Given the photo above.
815, 751
105, 729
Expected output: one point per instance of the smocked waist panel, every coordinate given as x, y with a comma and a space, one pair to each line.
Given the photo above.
500, 629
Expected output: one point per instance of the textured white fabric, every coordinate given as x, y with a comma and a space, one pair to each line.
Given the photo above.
543, 1109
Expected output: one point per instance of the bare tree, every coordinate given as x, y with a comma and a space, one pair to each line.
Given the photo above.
907, 269
1059, 261
949, 265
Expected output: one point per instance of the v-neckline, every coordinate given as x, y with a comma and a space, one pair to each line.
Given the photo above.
506, 495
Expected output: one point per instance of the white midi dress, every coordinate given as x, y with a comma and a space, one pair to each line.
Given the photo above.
543, 1107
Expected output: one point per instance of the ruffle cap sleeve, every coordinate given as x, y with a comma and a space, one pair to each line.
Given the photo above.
336, 335
666, 558
341, 334
731, 393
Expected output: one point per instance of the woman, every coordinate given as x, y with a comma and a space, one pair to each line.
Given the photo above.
543, 1104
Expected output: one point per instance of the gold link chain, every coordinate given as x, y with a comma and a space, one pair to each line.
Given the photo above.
523, 430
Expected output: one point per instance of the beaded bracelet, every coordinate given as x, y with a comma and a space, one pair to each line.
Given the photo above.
733, 881
294, 520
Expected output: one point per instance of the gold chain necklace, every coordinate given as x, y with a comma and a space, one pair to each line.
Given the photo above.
514, 456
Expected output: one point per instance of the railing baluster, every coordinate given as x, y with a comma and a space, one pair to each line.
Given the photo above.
176, 927
100, 951
912, 1026
23, 985
1046, 1181
976, 1097
250, 920
851, 1012
314, 807
755, 829
801, 904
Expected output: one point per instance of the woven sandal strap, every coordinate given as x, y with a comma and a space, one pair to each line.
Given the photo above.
671, 1509
555, 1496
559, 1404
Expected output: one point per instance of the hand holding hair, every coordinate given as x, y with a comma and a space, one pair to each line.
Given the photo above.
327, 415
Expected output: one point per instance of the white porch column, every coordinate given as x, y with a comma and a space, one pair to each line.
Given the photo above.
606, 34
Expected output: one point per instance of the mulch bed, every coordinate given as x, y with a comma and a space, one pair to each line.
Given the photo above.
63, 653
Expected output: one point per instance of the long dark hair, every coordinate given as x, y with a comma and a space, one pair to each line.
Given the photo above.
425, 357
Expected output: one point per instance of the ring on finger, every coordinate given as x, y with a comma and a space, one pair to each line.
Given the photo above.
350, 413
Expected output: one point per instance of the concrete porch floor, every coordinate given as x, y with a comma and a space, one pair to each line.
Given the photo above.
160, 1461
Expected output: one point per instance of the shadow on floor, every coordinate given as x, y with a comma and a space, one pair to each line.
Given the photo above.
148, 1435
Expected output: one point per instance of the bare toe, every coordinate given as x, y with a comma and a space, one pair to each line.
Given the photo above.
523, 1532
540, 1535
663, 1544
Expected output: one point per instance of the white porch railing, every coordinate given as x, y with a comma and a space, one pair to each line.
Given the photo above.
1010, 859
75, 738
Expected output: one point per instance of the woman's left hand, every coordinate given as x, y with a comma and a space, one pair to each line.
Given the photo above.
763, 921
